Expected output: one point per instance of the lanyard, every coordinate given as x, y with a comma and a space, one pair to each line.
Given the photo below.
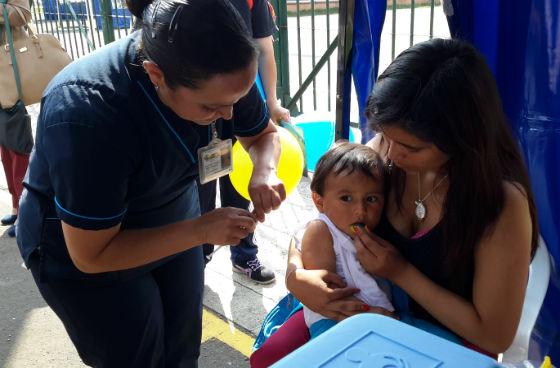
214, 131
167, 122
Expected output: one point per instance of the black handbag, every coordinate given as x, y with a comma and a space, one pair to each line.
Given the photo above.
15, 129
15, 122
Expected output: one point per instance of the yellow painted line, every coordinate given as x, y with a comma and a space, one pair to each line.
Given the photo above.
215, 327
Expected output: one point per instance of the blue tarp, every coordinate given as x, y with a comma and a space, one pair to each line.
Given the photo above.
521, 42
369, 16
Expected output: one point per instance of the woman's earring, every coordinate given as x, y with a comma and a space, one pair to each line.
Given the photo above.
156, 87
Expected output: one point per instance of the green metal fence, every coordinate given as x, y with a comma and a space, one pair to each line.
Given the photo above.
307, 38
83, 25
308, 60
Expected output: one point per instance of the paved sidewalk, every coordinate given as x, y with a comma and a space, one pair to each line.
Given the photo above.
32, 336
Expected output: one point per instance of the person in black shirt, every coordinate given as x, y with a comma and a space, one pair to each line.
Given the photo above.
259, 21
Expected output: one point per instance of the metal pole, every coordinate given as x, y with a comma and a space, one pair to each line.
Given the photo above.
300, 73
412, 6
281, 52
432, 19
107, 21
343, 90
393, 28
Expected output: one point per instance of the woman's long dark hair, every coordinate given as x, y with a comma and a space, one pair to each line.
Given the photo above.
442, 91
193, 40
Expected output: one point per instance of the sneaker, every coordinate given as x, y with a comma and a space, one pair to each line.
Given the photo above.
11, 231
8, 220
255, 271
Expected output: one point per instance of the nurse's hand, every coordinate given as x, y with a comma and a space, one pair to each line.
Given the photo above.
267, 193
225, 226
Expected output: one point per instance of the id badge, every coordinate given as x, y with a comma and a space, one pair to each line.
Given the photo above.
215, 160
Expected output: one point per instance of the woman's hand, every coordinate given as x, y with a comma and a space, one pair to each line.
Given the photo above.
267, 192
374, 309
225, 226
377, 256
324, 292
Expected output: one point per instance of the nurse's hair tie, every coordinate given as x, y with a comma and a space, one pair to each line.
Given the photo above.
174, 24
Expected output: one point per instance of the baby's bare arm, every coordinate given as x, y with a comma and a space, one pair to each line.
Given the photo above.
317, 248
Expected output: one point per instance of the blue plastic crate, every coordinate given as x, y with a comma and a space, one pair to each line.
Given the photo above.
375, 341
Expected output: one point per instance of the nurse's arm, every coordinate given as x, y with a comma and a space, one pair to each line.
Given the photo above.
266, 190
113, 249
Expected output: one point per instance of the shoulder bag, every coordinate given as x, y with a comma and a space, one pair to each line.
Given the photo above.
15, 123
38, 58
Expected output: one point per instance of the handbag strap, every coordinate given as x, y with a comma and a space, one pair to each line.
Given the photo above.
10, 45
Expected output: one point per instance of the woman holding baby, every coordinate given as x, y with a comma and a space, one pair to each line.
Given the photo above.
459, 226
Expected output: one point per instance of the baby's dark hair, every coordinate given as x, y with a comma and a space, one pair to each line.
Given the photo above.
343, 159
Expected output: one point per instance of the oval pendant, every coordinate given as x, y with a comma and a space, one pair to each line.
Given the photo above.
420, 210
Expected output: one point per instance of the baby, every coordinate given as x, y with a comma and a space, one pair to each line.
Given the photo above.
348, 190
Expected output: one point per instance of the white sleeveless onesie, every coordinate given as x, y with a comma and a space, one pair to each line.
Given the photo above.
348, 267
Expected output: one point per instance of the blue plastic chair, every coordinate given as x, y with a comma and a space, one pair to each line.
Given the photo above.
537, 285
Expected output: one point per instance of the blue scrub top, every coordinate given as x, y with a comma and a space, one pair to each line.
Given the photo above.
107, 151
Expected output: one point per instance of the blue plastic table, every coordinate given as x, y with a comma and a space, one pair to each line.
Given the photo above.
374, 341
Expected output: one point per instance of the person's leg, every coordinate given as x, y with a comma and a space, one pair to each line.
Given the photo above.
293, 334
207, 200
7, 163
118, 325
181, 285
20, 162
244, 255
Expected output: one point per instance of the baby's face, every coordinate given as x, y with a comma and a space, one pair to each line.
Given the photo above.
354, 199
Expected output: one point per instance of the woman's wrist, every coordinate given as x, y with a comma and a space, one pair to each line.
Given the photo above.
263, 171
195, 228
400, 277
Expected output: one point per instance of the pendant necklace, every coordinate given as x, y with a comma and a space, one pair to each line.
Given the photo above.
420, 209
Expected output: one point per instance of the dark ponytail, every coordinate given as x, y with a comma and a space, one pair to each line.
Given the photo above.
193, 40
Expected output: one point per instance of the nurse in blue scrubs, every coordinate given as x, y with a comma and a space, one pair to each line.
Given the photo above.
109, 221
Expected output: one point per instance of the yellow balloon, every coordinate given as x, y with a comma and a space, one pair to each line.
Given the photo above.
290, 164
